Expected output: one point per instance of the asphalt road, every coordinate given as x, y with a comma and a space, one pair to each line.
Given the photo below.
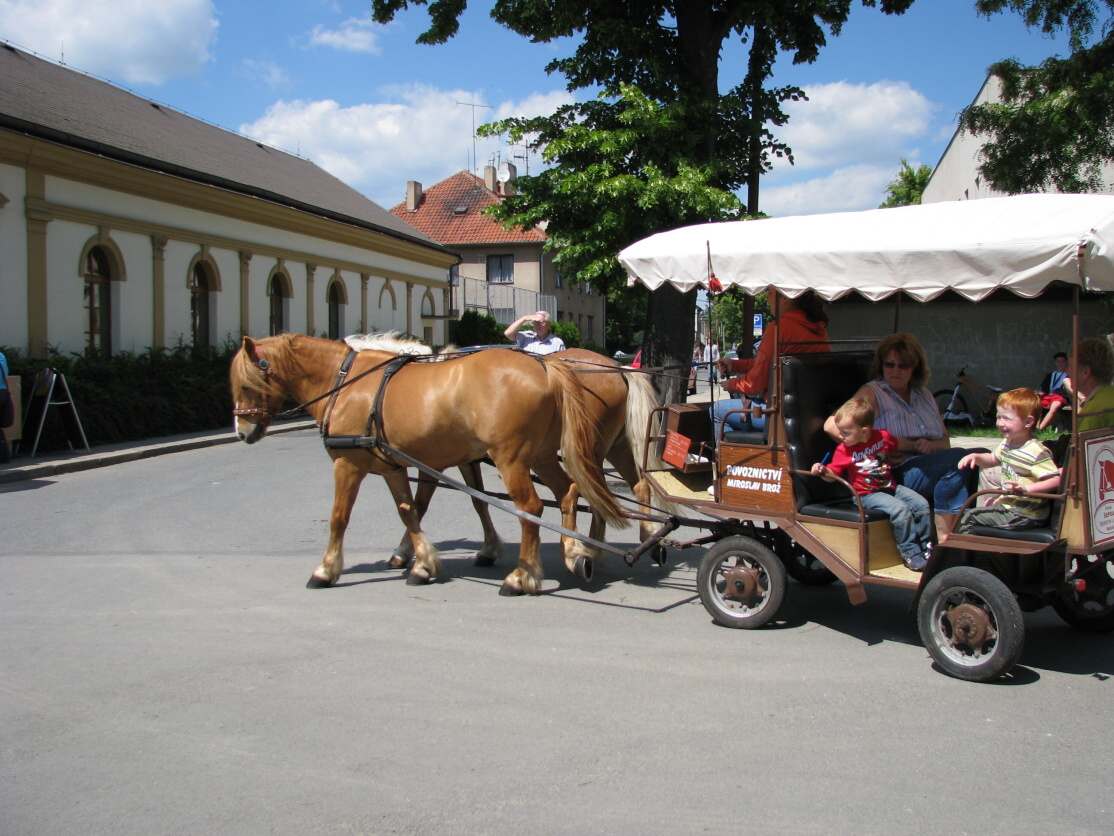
164, 670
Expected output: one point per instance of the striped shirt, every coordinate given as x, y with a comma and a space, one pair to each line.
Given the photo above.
1026, 464
919, 417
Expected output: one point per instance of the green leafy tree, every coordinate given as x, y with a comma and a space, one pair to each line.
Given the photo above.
657, 63
1054, 126
906, 189
475, 328
568, 332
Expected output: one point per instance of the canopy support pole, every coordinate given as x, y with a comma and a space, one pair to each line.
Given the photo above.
897, 311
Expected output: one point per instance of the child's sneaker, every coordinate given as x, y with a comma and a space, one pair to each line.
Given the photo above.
916, 562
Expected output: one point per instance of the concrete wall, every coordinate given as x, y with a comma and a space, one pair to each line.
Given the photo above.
1005, 341
13, 258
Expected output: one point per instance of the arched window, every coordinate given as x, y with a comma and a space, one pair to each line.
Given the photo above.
201, 286
98, 301
278, 292
335, 297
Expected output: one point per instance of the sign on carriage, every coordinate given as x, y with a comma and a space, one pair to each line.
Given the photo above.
1099, 458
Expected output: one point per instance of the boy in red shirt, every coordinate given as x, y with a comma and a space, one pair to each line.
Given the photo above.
862, 458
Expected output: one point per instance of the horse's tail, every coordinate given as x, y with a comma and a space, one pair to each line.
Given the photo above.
641, 401
580, 442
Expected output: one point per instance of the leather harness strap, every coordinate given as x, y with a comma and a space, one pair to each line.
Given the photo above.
342, 373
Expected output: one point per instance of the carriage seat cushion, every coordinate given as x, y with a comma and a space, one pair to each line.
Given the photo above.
1026, 535
745, 436
839, 509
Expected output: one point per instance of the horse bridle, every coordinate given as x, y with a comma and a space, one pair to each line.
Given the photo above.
255, 411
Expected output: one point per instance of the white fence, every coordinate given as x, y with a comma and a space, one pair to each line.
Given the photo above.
505, 302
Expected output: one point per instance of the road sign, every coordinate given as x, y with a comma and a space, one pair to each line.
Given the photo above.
758, 324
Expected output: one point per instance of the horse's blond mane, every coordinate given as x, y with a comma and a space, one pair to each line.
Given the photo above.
389, 341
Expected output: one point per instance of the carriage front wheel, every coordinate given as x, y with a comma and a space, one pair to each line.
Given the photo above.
971, 624
741, 583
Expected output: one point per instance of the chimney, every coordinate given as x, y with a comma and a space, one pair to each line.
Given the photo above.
512, 174
489, 178
413, 195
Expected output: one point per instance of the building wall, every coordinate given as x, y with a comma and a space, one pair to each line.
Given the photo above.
13, 258
956, 175
1005, 341
79, 212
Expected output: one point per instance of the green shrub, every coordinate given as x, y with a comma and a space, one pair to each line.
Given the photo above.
129, 396
568, 332
475, 328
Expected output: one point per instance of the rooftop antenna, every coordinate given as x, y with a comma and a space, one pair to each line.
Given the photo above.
473, 104
524, 156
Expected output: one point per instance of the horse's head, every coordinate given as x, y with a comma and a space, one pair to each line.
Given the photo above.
256, 396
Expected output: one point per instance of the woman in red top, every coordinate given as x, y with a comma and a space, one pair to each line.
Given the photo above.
802, 327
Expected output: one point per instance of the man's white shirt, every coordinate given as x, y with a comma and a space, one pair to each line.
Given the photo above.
528, 341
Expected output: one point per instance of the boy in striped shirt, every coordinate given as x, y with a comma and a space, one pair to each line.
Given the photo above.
1027, 468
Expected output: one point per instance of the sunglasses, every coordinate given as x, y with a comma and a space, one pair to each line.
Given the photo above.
889, 364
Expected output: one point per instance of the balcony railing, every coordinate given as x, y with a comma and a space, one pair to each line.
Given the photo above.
505, 302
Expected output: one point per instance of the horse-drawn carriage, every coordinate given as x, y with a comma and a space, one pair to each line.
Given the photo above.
774, 518
766, 517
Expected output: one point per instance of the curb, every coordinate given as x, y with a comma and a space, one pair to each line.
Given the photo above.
141, 450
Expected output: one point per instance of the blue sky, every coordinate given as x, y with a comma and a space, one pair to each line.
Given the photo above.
365, 102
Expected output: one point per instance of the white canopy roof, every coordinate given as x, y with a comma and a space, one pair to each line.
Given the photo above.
972, 247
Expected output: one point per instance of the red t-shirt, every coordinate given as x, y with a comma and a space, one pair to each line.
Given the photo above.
867, 466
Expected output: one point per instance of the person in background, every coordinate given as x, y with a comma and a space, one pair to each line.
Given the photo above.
903, 405
7, 412
862, 458
541, 340
711, 357
802, 327
1055, 389
1094, 364
697, 358
1027, 468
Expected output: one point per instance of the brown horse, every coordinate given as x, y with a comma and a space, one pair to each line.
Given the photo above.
498, 403
619, 403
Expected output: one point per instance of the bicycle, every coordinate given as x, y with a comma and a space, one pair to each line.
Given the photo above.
954, 404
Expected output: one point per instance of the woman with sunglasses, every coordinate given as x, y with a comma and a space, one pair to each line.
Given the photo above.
904, 406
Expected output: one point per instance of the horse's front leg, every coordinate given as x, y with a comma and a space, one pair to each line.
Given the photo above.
404, 552
427, 565
527, 576
346, 485
492, 549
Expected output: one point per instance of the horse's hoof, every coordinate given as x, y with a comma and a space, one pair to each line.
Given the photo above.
583, 568
315, 582
397, 561
483, 560
509, 591
414, 579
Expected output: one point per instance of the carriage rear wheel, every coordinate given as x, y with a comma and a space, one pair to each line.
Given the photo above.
971, 624
741, 583
1090, 610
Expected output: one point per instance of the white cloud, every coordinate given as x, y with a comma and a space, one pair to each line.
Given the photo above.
134, 41
847, 124
354, 35
266, 72
843, 190
421, 133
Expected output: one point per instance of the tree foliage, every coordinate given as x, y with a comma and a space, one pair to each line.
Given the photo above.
908, 186
1054, 125
657, 63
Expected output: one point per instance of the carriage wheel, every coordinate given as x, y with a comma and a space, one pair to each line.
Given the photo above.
971, 624
1092, 610
801, 565
741, 583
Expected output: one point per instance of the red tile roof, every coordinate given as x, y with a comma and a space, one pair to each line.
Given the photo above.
451, 213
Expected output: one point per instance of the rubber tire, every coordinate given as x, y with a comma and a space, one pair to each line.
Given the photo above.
944, 396
995, 597
1086, 622
754, 552
802, 566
